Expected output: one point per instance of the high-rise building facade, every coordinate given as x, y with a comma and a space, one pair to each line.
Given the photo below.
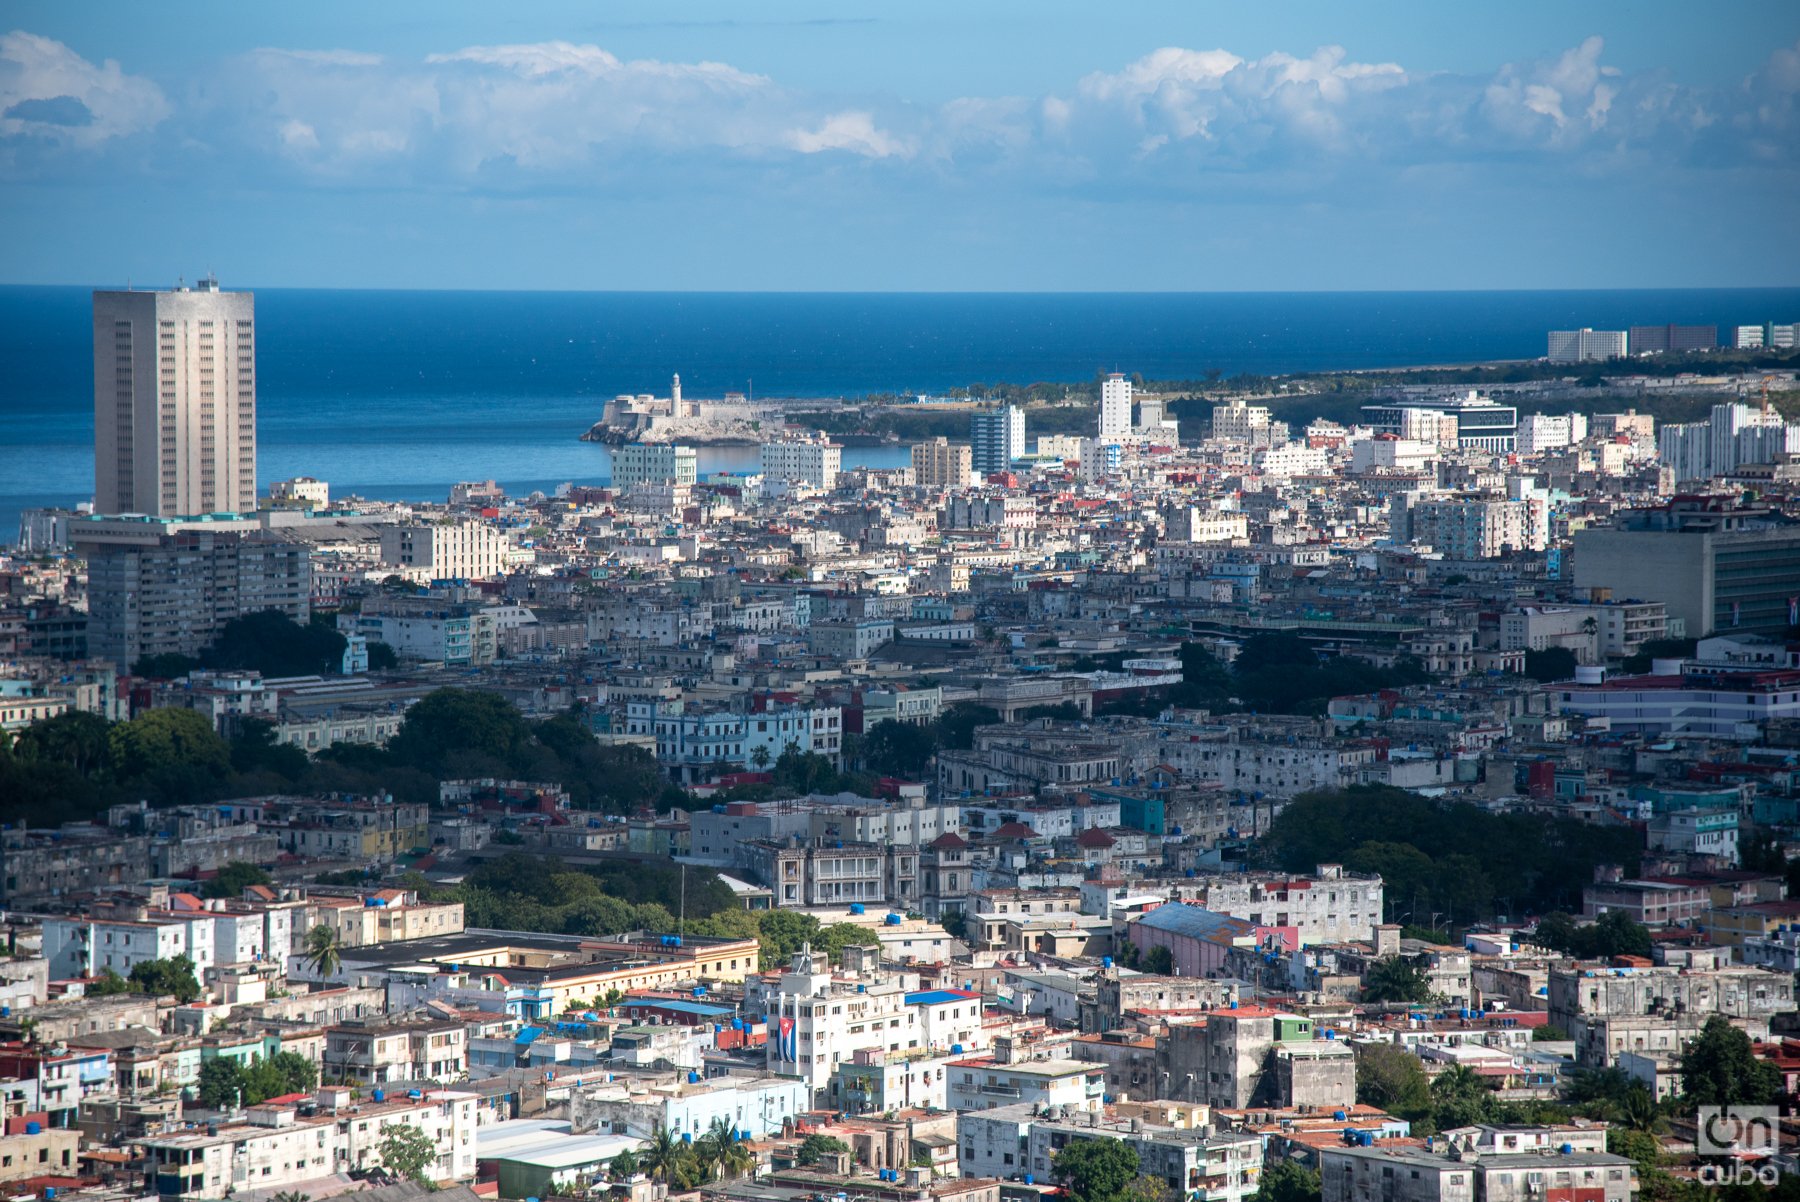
814, 462
1657, 340
638, 463
175, 401
1115, 406
159, 586
940, 465
997, 437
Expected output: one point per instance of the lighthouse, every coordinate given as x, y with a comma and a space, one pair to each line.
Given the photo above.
675, 394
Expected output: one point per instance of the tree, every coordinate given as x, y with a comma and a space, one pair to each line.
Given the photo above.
1396, 979
1096, 1170
1459, 1098
221, 1084
1392, 1079
1287, 1181
898, 748
624, 1166
815, 1146
233, 879
1205, 682
956, 725
277, 1076
721, 1149
759, 756
168, 742
662, 1156
173, 977
461, 722
167, 666
322, 951
782, 933
254, 749
1159, 961
1721, 1069
1550, 664
74, 738
108, 984
382, 657
274, 644
407, 1152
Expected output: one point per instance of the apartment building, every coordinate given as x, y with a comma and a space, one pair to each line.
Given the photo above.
813, 462
429, 551
941, 465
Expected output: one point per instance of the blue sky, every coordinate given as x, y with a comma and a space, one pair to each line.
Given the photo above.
921, 145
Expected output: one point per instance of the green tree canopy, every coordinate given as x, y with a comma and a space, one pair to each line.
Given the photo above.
1719, 1068
221, 1084
233, 879
1159, 961
1550, 664
898, 748
274, 644
1096, 1170
74, 738
1287, 1181
817, 1145
169, 741
168, 666
173, 977
956, 725
461, 722
406, 1151
1396, 979
1393, 1079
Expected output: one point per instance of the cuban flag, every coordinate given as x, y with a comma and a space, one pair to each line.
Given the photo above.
1794, 611
785, 1040
1737, 613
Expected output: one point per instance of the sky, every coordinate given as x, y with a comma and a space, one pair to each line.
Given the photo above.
981, 145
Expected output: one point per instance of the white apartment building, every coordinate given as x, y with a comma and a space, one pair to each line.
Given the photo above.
1464, 528
813, 462
1540, 432
175, 401
637, 463
986, 1082
1388, 453
1115, 407
817, 1022
1243, 422
301, 491
429, 551
80, 946
1331, 906
1585, 345
279, 1146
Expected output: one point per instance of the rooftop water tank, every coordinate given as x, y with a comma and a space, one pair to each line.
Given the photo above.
1590, 674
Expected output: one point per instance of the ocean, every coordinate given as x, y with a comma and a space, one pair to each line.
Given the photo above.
398, 395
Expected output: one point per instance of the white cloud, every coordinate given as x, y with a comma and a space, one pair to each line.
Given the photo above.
50, 93
852, 131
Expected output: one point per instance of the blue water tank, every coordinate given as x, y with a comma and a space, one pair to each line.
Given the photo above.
1567, 1149
414, 1094
1028, 1179
956, 1049
1339, 1115
33, 1128
856, 908
862, 989
1105, 961
1234, 1005
687, 1137
894, 920
693, 1078
379, 1095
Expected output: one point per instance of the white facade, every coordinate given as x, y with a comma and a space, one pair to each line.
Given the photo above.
1585, 345
301, 490
1390, 454
636, 464
997, 437
175, 401
1115, 407
812, 462
1540, 432
453, 551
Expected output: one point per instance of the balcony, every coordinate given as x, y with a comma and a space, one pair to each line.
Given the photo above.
999, 1091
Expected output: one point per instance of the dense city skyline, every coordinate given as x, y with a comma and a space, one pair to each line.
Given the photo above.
864, 148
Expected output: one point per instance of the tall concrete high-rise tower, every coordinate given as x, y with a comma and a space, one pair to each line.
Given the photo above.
1115, 406
175, 401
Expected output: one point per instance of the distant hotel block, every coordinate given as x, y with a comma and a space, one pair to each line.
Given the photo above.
1586, 346
1672, 339
1243, 422
175, 401
1733, 435
1766, 337
1469, 420
997, 437
814, 462
941, 465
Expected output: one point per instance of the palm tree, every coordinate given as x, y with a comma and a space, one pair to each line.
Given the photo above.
322, 951
760, 757
1639, 1112
662, 1156
721, 1149
1395, 979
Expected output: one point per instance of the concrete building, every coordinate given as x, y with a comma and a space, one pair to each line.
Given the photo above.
158, 586
658, 463
1713, 565
813, 462
941, 465
1410, 1174
1656, 340
300, 492
1115, 408
175, 401
451, 551
1464, 527
1467, 420
997, 437
1540, 432
1586, 346
1254, 1056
